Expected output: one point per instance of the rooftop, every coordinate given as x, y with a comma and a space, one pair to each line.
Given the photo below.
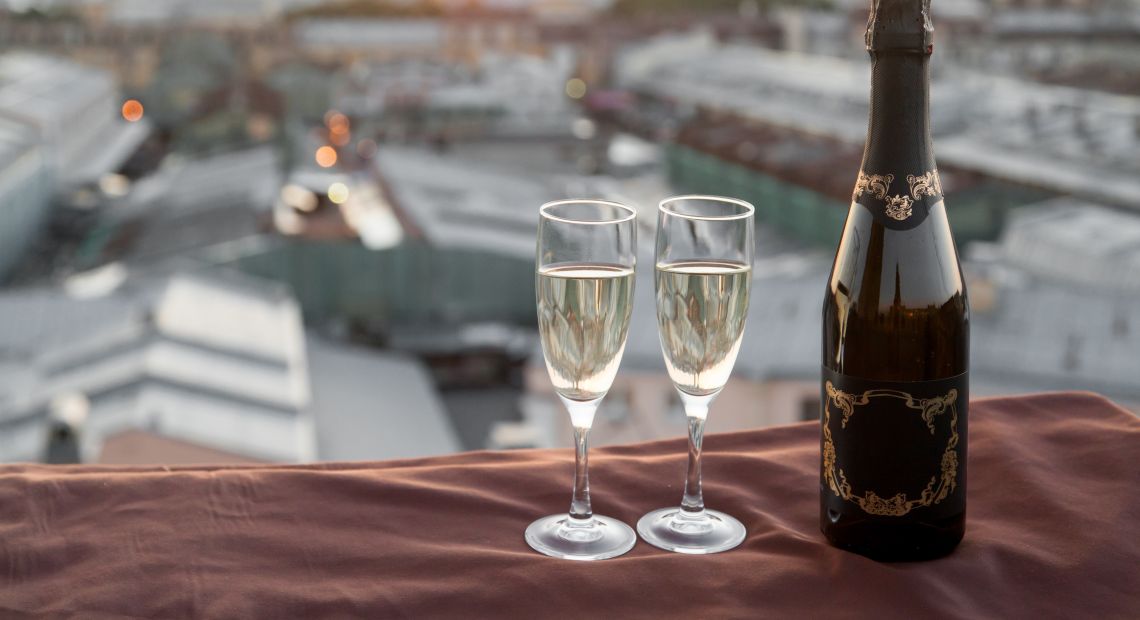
1050, 336
71, 108
371, 406
1061, 139
461, 204
16, 139
197, 357
191, 204
1075, 242
47, 89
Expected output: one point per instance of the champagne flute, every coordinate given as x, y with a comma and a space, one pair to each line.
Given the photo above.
704, 274
584, 287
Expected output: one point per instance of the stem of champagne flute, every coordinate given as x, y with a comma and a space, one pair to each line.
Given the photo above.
697, 410
580, 501
582, 418
694, 500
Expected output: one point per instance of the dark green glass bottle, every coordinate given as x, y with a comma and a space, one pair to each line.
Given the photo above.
894, 384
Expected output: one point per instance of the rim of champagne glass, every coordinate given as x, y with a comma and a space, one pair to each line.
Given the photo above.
631, 213
749, 210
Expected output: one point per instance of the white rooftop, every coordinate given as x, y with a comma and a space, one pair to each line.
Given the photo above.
1076, 242
371, 406
215, 358
73, 110
1062, 139
460, 204
193, 204
47, 89
193, 356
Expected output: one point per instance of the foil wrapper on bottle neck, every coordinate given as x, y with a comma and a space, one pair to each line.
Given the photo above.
900, 26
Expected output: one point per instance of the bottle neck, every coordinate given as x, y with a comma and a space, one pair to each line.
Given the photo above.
898, 132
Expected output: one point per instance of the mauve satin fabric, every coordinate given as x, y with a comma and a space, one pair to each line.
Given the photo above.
1053, 532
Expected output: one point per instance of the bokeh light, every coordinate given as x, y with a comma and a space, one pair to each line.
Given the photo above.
337, 122
584, 128
339, 138
132, 110
298, 197
260, 127
575, 88
338, 125
366, 148
114, 185
338, 193
326, 157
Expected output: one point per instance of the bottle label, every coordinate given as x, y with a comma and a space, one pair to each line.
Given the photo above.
893, 205
895, 448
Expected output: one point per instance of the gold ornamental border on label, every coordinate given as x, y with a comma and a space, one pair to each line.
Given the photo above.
939, 486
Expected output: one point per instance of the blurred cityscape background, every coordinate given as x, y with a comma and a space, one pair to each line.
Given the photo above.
295, 230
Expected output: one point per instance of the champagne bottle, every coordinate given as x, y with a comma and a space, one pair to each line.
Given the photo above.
895, 325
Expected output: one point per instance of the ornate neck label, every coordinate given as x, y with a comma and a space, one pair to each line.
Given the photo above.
894, 207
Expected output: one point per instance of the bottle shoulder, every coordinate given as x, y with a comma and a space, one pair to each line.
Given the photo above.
896, 306
878, 267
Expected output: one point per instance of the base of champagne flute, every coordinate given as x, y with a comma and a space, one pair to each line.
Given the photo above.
597, 538
708, 531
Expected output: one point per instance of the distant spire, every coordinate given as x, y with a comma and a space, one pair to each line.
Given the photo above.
66, 414
898, 289
62, 444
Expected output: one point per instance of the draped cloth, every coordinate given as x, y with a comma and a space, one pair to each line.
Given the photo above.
1052, 532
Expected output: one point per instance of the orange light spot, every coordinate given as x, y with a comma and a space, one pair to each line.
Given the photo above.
326, 157
339, 138
337, 122
132, 110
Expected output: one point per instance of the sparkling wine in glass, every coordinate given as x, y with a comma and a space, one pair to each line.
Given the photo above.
584, 288
704, 275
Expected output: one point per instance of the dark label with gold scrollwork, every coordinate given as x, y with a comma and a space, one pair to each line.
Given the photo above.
901, 201
894, 449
